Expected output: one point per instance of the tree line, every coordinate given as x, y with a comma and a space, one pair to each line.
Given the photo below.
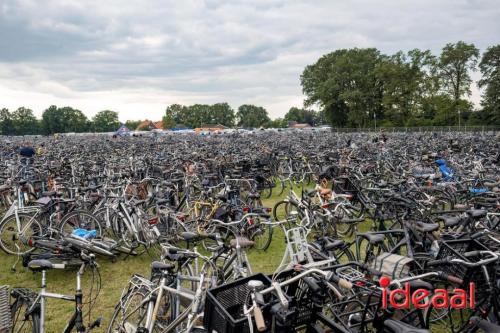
246, 116
364, 88
55, 120
349, 88
67, 119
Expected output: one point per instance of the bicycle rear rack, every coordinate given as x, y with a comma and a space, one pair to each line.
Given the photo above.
297, 247
5, 315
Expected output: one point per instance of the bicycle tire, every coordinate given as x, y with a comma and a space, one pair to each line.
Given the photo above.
74, 220
21, 321
5, 234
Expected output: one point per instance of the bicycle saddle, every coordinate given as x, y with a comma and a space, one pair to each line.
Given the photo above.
190, 236
426, 227
396, 326
451, 221
244, 242
477, 213
374, 238
40, 265
486, 326
158, 265
254, 195
330, 245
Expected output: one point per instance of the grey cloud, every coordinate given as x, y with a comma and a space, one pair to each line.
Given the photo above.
215, 50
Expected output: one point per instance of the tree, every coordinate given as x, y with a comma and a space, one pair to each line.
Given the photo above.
168, 120
63, 120
24, 122
455, 62
278, 123
176, 114
490, 69
252, 116
301, 116
345, 85
197, 114
405, 79
6, 127
221, 113
132, 124
105, 121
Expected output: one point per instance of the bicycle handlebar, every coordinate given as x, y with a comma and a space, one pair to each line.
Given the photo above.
493, 257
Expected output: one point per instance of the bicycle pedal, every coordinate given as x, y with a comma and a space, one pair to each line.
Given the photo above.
96, 323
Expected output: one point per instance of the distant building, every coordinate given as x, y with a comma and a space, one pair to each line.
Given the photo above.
211, 128
179, 127
296, 125
148, 125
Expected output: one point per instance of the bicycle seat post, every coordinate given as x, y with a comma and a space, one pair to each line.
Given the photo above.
42, 302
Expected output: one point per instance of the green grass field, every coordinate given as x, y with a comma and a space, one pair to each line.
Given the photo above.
116, 275
114, 279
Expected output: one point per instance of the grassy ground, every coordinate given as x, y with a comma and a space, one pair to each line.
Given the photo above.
116, 275
114, 278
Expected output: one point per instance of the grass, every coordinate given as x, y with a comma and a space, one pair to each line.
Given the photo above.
114, 278
116, 275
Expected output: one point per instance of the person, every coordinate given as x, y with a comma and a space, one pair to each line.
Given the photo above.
27, 150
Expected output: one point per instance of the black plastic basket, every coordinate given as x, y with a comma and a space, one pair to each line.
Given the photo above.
224, 306
343, 185
455, 249
302, 307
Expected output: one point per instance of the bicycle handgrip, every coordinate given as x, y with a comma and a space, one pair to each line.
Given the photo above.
436, 262
472, 254
344, 284
311, 283
454, 279
259, 319
477, 235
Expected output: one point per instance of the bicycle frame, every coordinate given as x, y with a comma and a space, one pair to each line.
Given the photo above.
77, 317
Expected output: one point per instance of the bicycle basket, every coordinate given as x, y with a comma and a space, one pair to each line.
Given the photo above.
454, 249
5, 315
224, 306
302, 307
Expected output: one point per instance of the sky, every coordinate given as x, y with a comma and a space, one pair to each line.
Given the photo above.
137, 57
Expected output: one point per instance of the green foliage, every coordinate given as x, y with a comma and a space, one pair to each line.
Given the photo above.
6, 125
252, 116
405, 79
199, 114
105, 121
63, 120
490, 69
278, 123
132, 124
455, 63
302, 116
345, 85
24, 122
356, 87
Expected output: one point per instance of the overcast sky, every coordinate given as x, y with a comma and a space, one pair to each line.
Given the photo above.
136, 57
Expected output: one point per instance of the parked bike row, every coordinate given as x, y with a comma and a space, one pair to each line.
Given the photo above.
382, 232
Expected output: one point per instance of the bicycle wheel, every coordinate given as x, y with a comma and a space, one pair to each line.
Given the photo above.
267, 189
131, 312
14, 240
80, 219
368, 251
287, 210
23, 322
106, 216
261, 234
